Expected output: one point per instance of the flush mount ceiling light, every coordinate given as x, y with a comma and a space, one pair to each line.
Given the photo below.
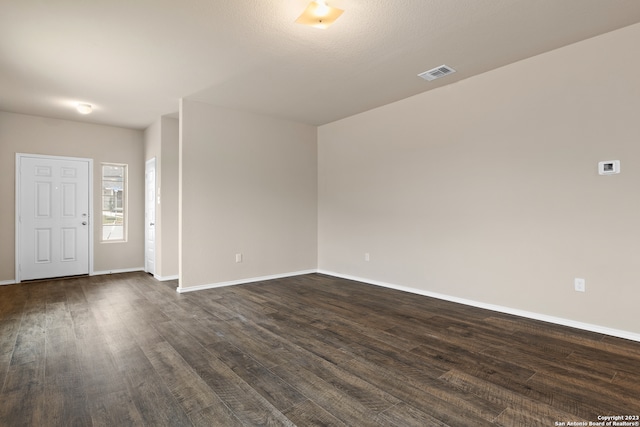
319, 15
84, 108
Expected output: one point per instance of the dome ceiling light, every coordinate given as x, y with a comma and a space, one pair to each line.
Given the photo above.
319, 15
84, 108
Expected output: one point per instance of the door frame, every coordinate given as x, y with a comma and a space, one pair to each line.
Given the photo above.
18, 203
151, 161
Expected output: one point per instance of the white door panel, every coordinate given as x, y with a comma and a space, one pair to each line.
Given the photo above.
42, 245
53, 217
150, 216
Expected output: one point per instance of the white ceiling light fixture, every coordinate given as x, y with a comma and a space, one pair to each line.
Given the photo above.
319, 15
84, 108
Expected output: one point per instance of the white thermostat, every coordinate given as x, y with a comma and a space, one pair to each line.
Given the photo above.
609, 167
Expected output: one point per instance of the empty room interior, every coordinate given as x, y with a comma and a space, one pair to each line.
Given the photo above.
299, 212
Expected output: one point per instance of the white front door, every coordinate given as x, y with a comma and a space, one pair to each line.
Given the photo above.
53, 217
150, 216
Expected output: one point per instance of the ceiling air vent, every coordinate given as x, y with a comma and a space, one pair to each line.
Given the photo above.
436, 73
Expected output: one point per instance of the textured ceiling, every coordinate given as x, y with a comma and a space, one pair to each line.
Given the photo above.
134, 59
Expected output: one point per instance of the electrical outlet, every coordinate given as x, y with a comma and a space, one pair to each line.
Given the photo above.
238, 257
579, 285
367, 257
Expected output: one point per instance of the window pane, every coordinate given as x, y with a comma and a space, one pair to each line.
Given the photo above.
114, 179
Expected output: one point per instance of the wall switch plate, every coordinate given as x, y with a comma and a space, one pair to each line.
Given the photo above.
366, 256
238, 257
579, 285
609, 167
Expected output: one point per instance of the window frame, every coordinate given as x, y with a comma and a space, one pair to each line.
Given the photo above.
124, 201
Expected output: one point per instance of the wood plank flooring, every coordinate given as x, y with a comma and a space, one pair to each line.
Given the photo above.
126, 350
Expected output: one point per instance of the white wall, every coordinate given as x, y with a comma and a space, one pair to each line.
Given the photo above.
248, 184
21, 133
488, 189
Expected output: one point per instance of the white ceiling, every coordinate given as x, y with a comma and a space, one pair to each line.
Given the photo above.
134, 59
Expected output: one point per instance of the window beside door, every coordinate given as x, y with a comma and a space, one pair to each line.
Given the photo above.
114, 202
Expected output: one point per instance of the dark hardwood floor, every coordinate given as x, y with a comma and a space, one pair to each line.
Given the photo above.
311, 350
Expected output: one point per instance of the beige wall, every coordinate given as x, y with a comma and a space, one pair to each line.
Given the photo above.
161, 142
36, 135
488, 189
248, 185
169, 186
152, 140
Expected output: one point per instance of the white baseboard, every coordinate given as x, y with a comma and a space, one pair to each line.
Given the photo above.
121, 270
166, 278
528, 314
7, 282
182, 290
